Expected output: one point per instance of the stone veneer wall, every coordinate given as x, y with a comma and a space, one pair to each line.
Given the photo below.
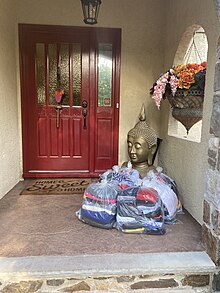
211, 210
193, 283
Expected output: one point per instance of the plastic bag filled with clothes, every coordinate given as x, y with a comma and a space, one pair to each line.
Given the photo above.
172, 184
140, 210
99, 204
123, 176
167, 190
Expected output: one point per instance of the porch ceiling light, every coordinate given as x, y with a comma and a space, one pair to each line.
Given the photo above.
90, 10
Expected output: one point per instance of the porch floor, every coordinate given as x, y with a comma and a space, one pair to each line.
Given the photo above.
46, 225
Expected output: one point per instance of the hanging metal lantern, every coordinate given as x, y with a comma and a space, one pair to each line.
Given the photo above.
90, 10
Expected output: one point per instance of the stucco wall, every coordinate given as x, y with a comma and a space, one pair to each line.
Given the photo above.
141, 54
9, 134
186, 161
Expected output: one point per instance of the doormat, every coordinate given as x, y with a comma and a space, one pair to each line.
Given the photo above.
57, 186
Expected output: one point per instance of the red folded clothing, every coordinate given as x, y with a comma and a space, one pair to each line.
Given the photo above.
147, 194
106, 200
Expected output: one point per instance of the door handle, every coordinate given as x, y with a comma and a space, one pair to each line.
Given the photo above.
84, 113
58, 110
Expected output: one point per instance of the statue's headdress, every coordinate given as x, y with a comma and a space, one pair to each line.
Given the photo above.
144, 130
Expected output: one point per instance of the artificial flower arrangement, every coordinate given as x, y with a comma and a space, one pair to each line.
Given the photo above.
59, 95
181, 77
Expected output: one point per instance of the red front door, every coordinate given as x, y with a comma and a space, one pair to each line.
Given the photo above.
77, 136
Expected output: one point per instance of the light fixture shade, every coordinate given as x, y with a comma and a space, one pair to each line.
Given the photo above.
90, 10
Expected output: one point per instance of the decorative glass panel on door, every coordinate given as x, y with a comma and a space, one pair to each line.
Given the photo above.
65, 58
40, 73
53, 61
64, 72
76, 74
105, 75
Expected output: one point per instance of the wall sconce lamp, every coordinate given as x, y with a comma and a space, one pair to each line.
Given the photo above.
90, 10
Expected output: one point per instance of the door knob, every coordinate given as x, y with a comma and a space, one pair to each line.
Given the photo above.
84, 112
84, 104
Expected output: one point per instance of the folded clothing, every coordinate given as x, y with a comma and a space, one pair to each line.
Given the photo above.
91, 222
140, 210
99, 204
167, 190
147, 195
100, 217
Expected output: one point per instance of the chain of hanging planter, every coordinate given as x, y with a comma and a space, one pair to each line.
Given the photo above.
190, 50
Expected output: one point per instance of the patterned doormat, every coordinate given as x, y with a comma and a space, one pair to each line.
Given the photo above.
57, 186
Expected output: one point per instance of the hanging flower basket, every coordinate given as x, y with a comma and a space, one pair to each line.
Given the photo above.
187, 109
193, 99
183, 86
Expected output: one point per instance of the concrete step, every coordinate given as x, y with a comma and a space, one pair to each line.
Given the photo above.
145, 272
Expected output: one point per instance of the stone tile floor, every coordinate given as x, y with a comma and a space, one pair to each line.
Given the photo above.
34, 225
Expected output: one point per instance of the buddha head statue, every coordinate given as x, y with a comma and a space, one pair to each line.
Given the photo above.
142, 145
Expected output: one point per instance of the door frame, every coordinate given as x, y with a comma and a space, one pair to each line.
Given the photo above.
96, 34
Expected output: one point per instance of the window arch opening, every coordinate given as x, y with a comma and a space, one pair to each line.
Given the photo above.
193, 48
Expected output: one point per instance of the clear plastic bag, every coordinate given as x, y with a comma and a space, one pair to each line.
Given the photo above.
99, 204
167, 190
123, 176
140, 210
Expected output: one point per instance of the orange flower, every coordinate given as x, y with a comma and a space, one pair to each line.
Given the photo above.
195, 67
186, 79
177, 69
61, 92
203, 64
179, 77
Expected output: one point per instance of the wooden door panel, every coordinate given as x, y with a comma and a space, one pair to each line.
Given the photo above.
62, 142
60, 138
104, 146
104, 138
76, 135
42, 137
53, 145
70, 149
66, 137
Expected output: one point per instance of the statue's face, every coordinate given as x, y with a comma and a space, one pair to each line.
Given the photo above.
138, 149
